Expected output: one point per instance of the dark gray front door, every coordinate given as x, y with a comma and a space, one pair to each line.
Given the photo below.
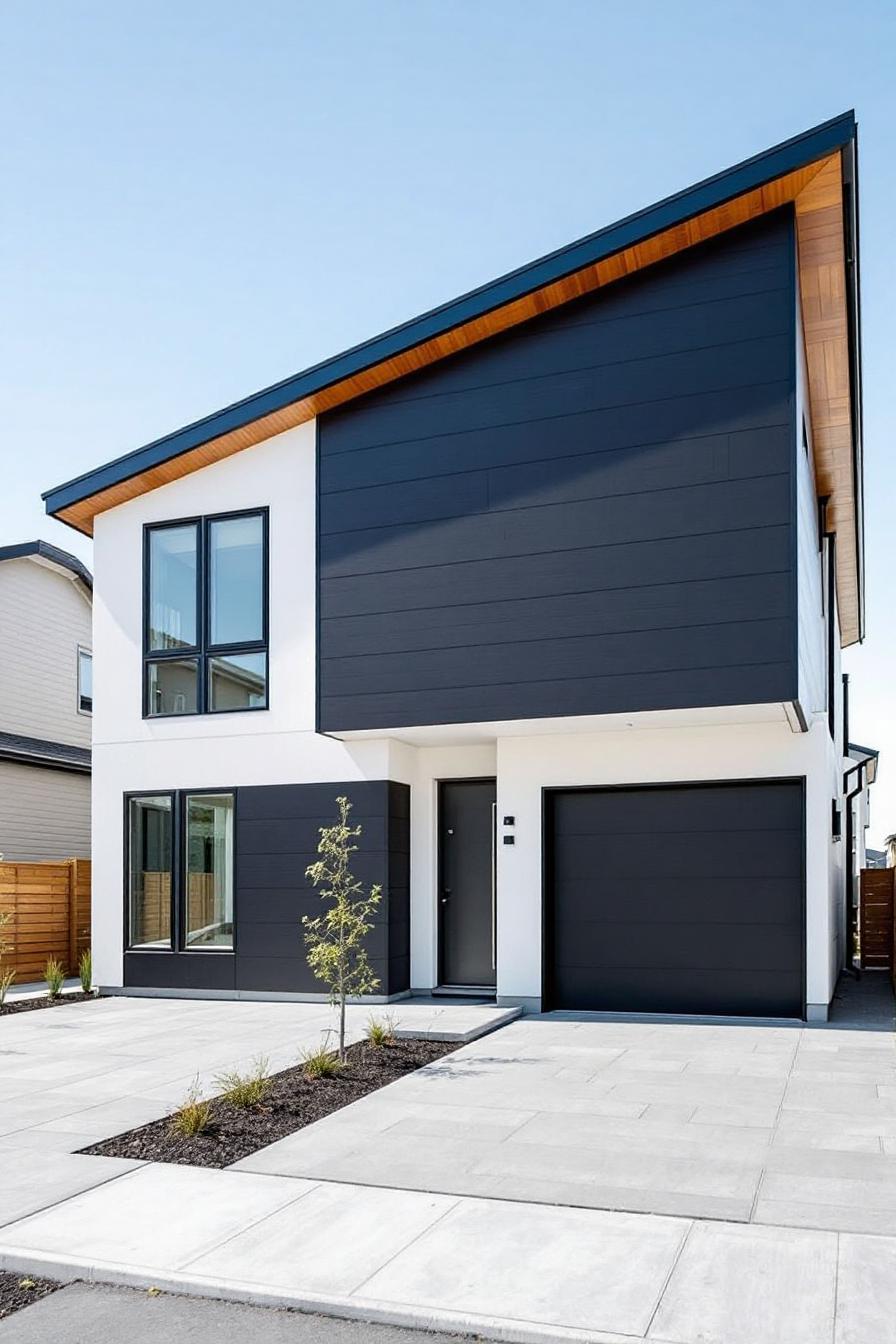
466, 892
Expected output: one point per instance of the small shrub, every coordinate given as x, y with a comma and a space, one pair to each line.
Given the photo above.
246, 1089
85, 971
320, 1062
193, 1115
381, 1031
54, 974
7, 979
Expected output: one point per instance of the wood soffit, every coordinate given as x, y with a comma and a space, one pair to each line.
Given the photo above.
815, 191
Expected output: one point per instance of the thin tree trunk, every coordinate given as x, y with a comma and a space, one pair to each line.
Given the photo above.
342, 1029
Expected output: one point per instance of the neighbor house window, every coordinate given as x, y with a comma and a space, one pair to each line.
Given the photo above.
206, 615
180, 871
85, 681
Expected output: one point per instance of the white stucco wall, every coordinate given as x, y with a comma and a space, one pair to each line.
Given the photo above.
280, 746
527, 765
277, 746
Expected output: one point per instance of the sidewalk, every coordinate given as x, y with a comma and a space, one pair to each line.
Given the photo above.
500, 1269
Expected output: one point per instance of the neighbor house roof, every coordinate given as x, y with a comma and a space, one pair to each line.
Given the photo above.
815, 173
36, 751
53, 555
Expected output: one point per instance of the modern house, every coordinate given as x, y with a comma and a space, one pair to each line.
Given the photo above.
562, 563
46, 703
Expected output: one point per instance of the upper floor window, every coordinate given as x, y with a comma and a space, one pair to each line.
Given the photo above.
85, 681
206, 615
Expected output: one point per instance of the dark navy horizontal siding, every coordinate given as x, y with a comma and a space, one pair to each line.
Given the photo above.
278, 827
592, 514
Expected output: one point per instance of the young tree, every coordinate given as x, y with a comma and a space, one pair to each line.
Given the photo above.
335, 940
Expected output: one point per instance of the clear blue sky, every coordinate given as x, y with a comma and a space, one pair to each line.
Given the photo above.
201, 198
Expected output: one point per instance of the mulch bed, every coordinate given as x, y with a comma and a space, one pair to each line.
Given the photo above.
293, 1102
20, 1290
29, 1005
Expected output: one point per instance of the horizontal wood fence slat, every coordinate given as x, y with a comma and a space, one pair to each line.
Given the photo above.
50, 908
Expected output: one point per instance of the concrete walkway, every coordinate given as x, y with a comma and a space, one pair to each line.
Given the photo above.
503, 1270
507, 1266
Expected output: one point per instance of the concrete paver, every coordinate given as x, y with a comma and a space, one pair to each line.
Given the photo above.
158, 1216
710, 1121
74, 1075
539, 1185
750, 1285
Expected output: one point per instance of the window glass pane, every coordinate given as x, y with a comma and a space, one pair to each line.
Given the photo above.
149, 880
209, 851
172, 587
85, 681
172, 686
236, 580
238, 681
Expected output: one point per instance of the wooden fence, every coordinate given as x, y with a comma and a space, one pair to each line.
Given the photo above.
153, 920
50, 908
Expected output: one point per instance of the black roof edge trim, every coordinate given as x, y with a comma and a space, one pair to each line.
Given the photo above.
800, 150
44, 550
44, 762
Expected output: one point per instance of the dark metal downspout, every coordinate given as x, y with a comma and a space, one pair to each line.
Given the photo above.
848, 795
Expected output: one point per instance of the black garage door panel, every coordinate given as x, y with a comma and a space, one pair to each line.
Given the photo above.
684, 899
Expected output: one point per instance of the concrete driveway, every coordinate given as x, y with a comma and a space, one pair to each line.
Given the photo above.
762, 1124
73, 1075
786, 1126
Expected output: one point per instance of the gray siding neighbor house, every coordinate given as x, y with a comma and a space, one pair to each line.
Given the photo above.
46, 703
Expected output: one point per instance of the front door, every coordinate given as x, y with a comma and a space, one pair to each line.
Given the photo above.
467, 882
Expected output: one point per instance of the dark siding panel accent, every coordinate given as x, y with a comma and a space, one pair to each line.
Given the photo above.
653, 607
182, 970
712, 923
591, 514
277, 830
277, 833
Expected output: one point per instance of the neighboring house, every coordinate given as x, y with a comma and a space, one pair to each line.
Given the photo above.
563, 563
875, 858
46, 703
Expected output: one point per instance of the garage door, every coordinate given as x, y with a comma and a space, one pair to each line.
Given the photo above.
681, 899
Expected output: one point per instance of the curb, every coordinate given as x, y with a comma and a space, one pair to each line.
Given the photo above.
68, 1269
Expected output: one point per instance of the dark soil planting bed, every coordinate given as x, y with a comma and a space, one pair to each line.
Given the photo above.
294, 1101
31, 1005
20, 1290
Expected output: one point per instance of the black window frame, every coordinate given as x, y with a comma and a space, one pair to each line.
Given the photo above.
84, 652
128, 799
178, 944
204, 651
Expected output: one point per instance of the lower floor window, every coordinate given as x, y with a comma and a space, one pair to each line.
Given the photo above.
180, 871
209, 870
